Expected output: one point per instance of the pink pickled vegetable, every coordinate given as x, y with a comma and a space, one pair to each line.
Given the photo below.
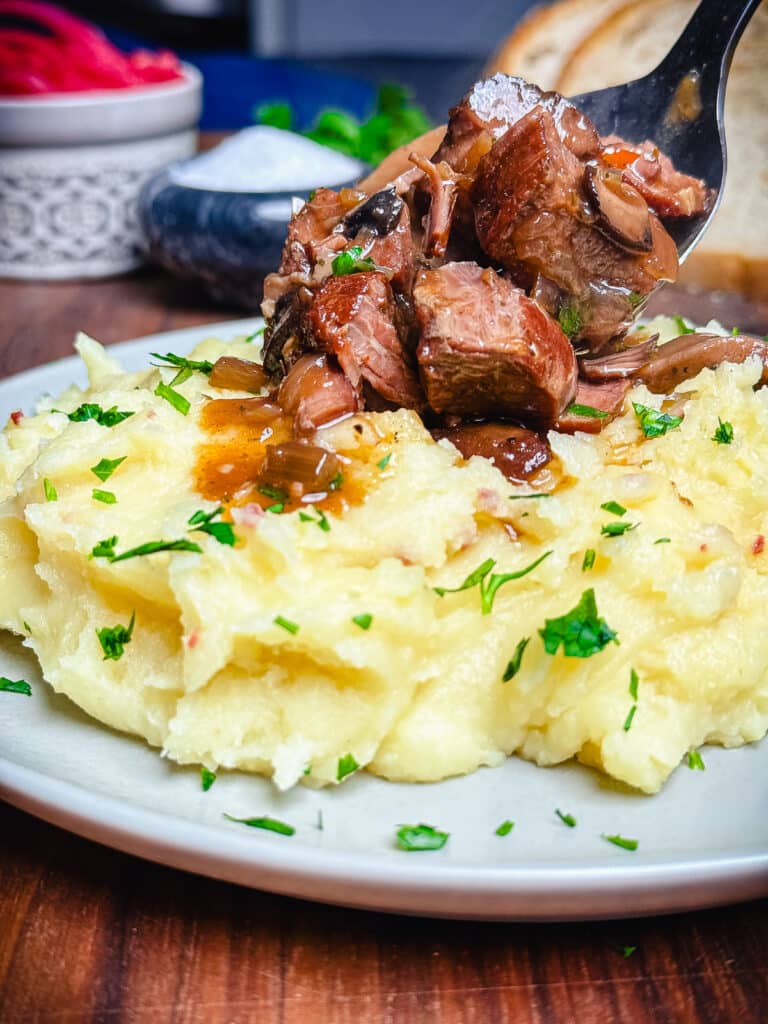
44, 49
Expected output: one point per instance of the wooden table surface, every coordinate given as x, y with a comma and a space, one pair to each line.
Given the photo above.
88, 934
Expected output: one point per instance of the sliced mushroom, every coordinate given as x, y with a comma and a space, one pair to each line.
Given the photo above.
379, 214
622, 213
618, 365
684, 357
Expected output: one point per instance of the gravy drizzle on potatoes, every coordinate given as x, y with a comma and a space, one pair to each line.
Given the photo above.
415, 693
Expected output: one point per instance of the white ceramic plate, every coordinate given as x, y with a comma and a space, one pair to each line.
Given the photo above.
702, 841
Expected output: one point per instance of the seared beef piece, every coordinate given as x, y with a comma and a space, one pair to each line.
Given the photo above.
530, 207
316, 392
487, 350
607, 398
353, 318
442, 183
494, 105
392, 252
516, 451
668, 192
684, 357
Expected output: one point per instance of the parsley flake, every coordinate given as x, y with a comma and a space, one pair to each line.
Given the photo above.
192, 365
628, 720
569, 320
695, 761
514, 664
337, 481
589, 559
724, 432
653, 422
107, 497
577, 409
580, 631
275, 493
626, 951
15, 686
104, 417
567, 819
114, 639
614, 507
363, 621
202, 522
682, 326
269, 824
383, 463
412, 838
106, 548
104, 468
352, 261
207, 778
178, 401
346, 766
490, 584
505, 828
617, 529
634, 683
291, 627
625, 844
256, 334
277, 508
51, 494
663, 540
537, 494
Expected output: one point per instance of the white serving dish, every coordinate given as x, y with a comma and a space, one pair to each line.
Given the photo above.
71, 167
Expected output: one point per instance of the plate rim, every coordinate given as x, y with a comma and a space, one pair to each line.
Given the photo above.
515, 892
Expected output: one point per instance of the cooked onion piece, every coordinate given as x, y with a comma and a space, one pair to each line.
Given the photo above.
232, 374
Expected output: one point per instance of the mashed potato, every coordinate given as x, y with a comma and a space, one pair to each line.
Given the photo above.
299, 646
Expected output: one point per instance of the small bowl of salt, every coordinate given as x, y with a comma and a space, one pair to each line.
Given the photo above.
220, 218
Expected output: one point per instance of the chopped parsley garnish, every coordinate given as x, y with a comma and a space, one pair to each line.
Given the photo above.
321, 520
383, 463
104, 417
275, 493
104, 468
580, 631
51, 494
569, 320
256, 334
626, 951
505, 828
27, 627
589, 559
277, 508
628, 720
15, 686
567, 819
663, 540
190, 365
724, 432
577, 409
682, 326
336, 483
352, 261
625, 844
269, 824
653, 422
735, 332
363, 621
107, 497
489, 584
202, 522
538, 494
614, 507
514, 664
695, 761
346, 766
207, 778
106, 548
178, 401
421, 837
617, 529
114, 639
291, 627
635, 299
634, 683
305, 517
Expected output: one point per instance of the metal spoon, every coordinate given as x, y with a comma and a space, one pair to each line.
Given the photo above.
679, 105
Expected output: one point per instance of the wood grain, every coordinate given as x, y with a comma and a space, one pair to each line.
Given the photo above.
91, 935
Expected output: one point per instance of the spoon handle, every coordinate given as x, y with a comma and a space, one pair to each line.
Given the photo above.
706, 47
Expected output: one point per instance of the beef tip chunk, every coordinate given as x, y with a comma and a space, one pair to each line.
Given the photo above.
605, 402
393, 252
532, 205
487, 350
493, 105
352, 317
518, 452
668, 192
